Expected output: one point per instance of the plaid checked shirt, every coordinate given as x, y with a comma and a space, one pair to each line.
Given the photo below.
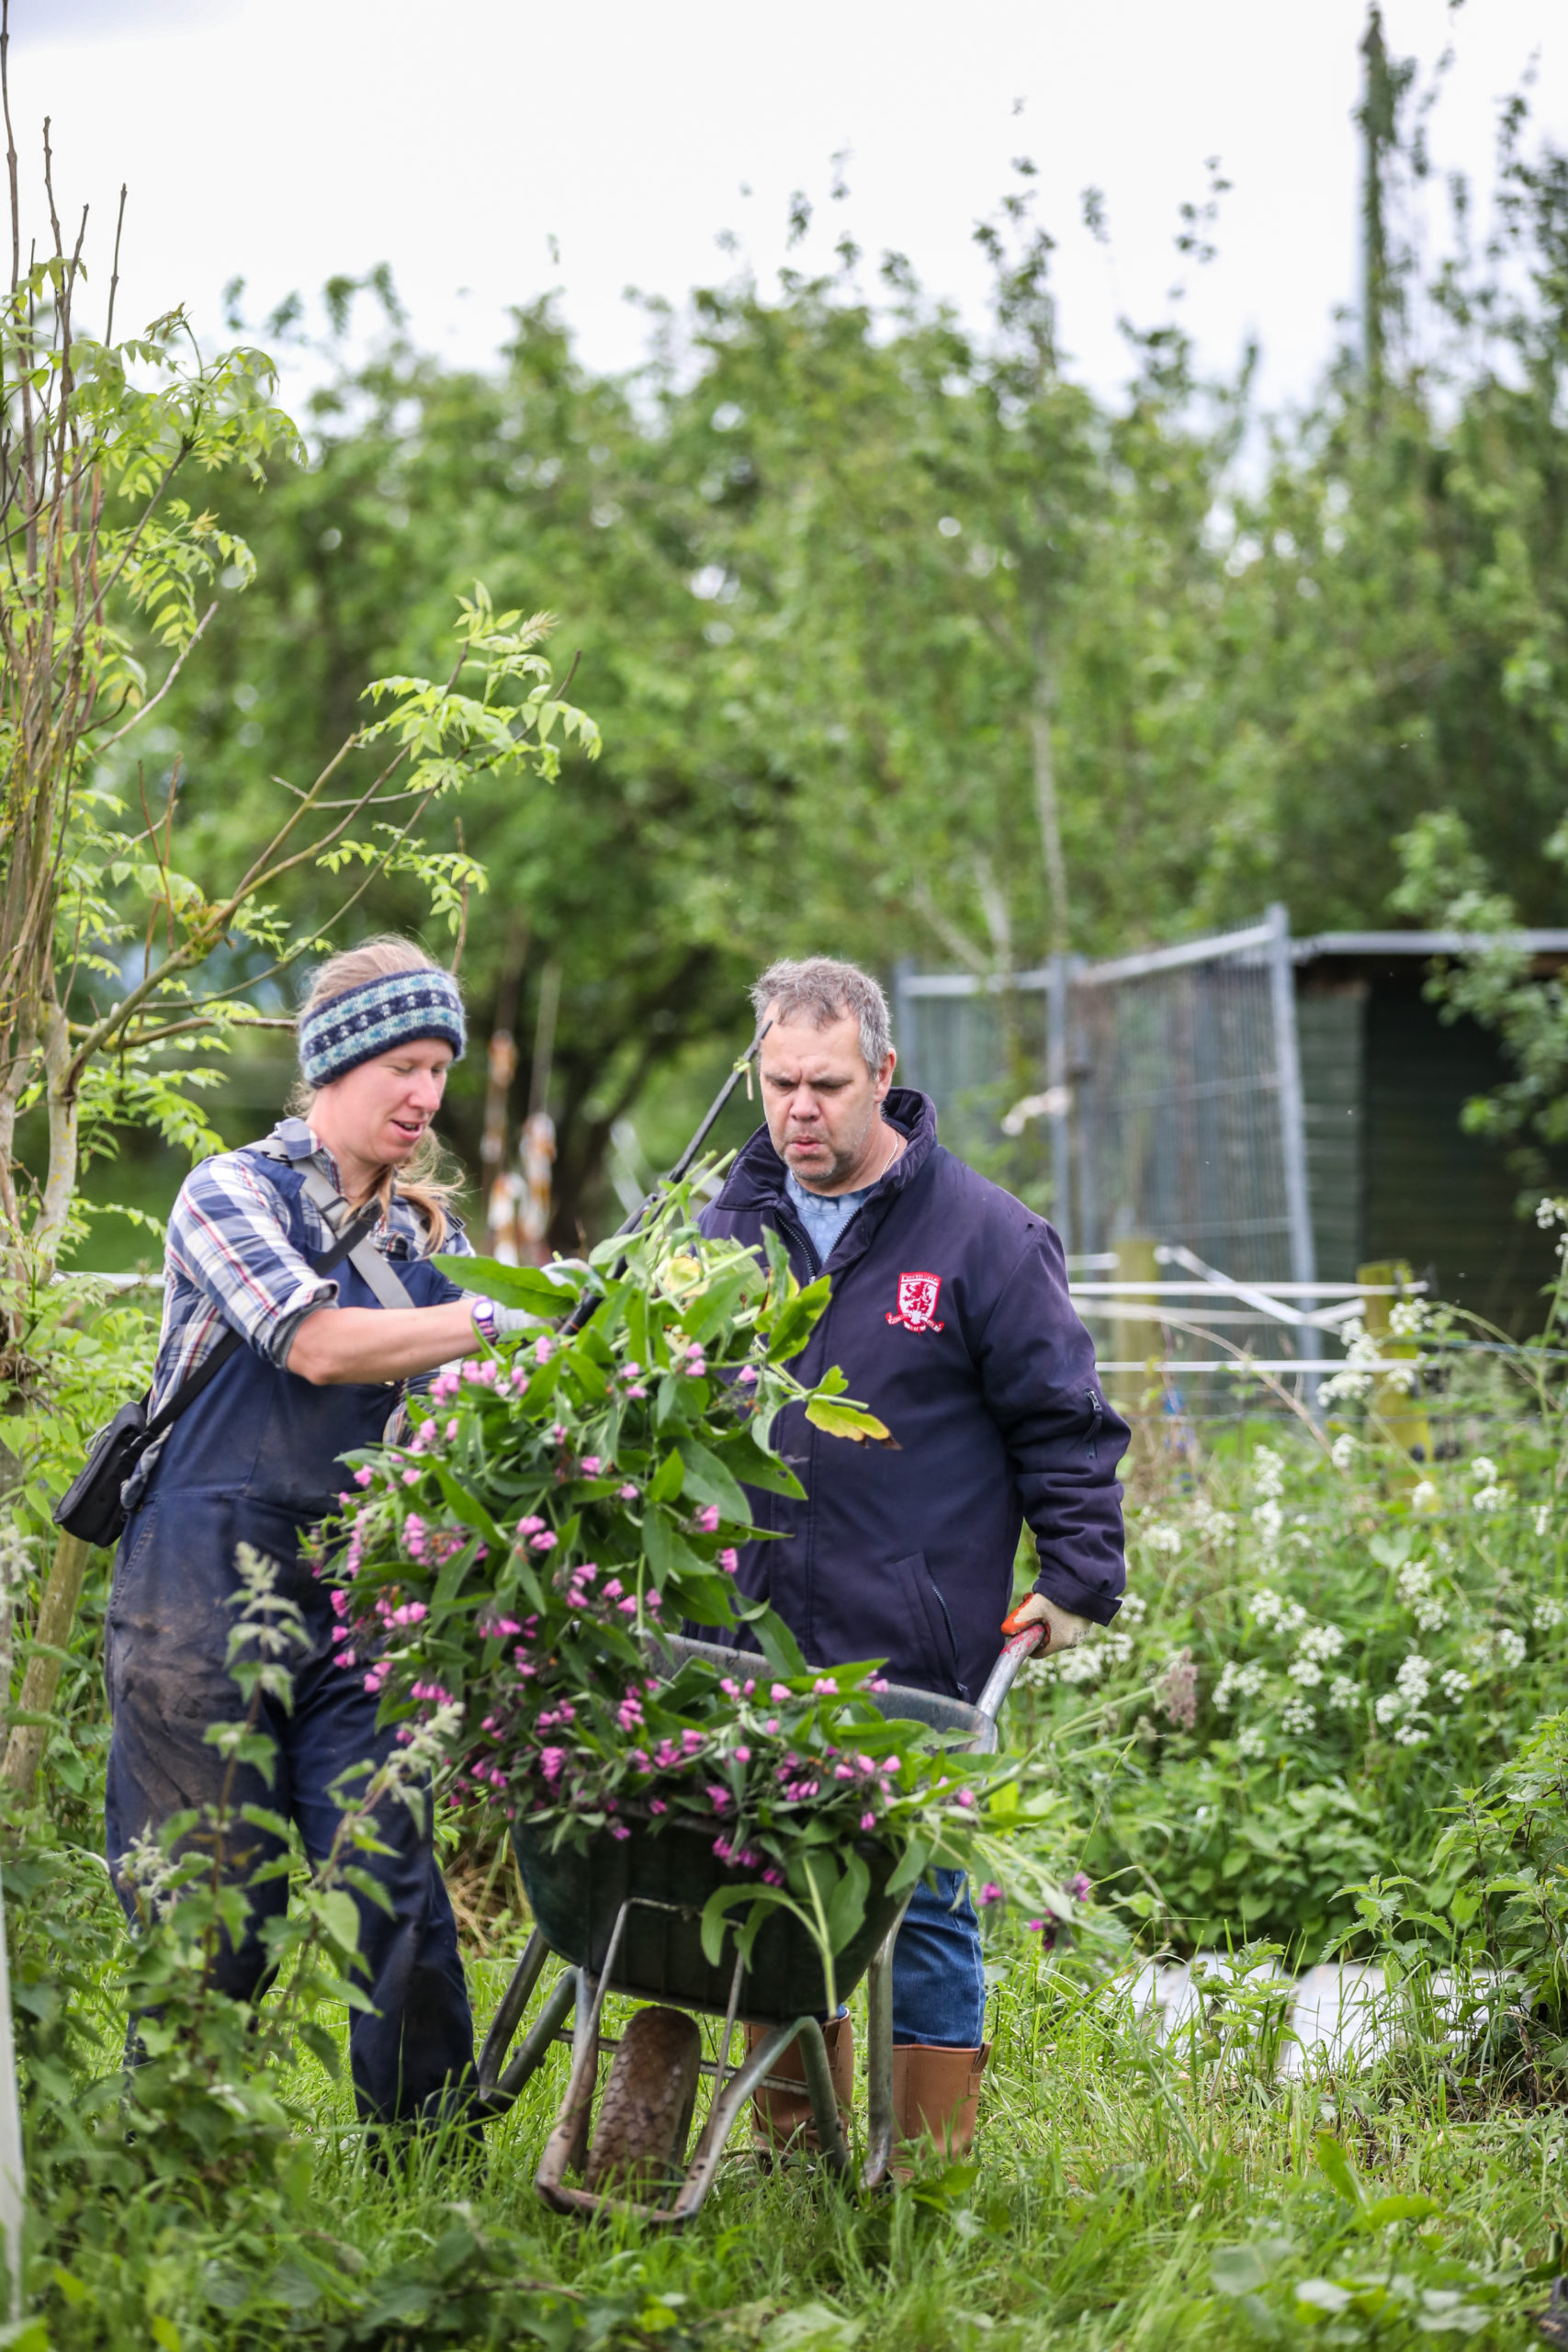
230, 1263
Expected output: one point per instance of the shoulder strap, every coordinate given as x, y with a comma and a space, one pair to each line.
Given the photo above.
291, 1141
352, 1239
366, 1259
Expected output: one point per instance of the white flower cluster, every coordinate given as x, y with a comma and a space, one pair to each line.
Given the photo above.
1547, 1211
1408, 1317
1268, 1484
1419, 1596
1543, 1518
1297, 1716
1491, 1493
1549, 1612
1319, 1644
1363, 1352
1344, 1692
1251, 1743
1238, 1681
1106, 1647
1271, 1607
1408, 1695
1211, 1526
1424, 1495
1454, 1685
1161, 1539
1342, 1453
1267, 1474
1134, 1608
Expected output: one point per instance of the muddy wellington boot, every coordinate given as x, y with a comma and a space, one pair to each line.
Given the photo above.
936, 2095
782, 2121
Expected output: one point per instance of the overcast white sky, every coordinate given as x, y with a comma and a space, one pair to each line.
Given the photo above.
284, 139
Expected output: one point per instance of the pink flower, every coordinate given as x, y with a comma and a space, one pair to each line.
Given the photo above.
618, 1830
411, 1477
991, 1892
772, 1726
591, 1465
613, 1590
631, 1367
626, 1494
966, 1797
721, 1848
345, 1658
772, 1877
691, 1740
546, 1541
719, 1796
544, 1349
529, 1526
748, 1375
550, 1763
781, 1690
452, 1428
877, 1682
707, 1519
843, 1771
636, 1390
743, 1756
868, 1820
627, 1608
340, 1604
362, 1478
558, 1430
826, 1682
657, 1805
729, 1559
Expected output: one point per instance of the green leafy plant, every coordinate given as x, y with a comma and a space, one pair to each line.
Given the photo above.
558, 1505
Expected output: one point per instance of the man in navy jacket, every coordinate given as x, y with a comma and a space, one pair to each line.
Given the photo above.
950, 1320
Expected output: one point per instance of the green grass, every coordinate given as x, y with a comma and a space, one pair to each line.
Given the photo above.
1109, 2176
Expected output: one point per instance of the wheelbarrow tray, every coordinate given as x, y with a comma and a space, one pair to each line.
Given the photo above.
577, 1891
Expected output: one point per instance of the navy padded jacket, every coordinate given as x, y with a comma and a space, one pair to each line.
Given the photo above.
988, 1383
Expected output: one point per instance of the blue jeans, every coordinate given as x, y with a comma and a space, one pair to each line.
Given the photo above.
939, 1983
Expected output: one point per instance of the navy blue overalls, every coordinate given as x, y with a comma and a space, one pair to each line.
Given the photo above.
257, 1460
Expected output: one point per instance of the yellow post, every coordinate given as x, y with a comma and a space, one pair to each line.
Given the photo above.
1134, 1330
1396, 1409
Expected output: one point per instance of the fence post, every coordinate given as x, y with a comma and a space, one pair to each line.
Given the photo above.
51, 1636
1397, 1409
1057, 985
1293, 1111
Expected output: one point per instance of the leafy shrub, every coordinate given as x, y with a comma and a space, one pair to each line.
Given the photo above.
1309, 1667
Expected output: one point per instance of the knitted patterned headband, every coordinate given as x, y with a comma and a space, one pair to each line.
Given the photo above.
363, 1022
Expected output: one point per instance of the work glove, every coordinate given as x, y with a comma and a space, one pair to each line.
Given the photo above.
1063, 1630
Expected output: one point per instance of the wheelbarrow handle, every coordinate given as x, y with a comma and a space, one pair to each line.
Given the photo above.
1003, 1675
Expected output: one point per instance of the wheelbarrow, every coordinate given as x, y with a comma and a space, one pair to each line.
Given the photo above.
626, 1916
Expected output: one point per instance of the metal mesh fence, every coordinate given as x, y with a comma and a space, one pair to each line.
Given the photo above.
1156, 1098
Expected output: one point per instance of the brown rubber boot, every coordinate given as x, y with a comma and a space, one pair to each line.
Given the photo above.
936, 2095
782, 2121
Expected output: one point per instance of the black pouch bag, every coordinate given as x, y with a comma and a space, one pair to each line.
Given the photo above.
90, 1509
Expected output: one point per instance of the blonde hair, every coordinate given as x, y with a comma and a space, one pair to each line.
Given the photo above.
429, 1179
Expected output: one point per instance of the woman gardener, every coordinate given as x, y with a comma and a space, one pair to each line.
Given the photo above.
256, 1458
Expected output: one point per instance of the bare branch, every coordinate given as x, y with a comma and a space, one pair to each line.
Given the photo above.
114, 279
180, 659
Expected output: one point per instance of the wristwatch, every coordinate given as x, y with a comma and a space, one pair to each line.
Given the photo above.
483, 1313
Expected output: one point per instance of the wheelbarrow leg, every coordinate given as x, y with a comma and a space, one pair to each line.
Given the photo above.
514, 2001
879, 2060
758, 2063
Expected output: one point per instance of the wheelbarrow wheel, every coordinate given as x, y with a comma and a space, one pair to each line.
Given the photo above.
646, 2112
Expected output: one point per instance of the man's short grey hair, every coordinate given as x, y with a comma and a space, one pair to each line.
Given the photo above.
819, 990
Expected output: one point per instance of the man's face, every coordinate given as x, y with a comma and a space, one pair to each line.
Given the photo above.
822, 1104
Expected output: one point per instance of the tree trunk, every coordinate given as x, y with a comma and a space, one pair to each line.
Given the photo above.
56, 1615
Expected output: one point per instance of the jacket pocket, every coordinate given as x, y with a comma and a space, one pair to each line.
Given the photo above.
939, 1623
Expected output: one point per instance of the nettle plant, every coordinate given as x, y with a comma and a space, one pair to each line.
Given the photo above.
559, 1504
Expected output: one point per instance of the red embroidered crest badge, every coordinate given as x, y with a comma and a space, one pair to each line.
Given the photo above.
917, 1296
